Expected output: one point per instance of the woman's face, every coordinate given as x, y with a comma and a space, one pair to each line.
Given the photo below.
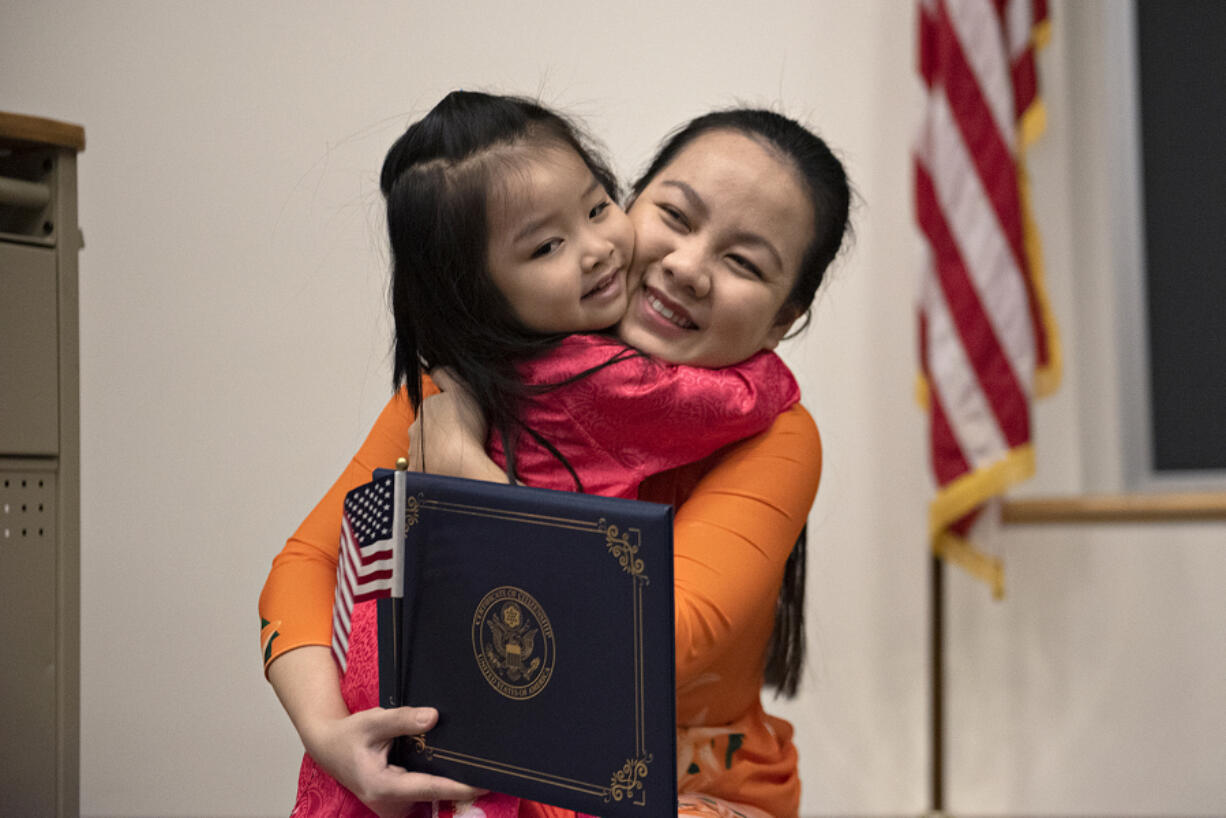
719, 237
559, 246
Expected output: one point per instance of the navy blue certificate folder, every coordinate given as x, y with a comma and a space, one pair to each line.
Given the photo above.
540, 624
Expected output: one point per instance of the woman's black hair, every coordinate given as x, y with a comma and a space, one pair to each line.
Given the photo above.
825, 185
437, 180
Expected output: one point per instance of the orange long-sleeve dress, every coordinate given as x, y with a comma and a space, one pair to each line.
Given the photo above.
739, 512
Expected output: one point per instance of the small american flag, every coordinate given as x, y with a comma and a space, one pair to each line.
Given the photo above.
370, 563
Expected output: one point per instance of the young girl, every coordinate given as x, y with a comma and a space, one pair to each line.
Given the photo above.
506, 239
573, 228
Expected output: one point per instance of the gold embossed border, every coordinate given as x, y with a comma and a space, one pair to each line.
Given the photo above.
626, 781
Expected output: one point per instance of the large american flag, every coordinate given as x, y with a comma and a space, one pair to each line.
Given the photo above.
370, 563
987, 342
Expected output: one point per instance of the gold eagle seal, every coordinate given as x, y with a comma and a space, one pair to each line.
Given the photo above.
513, 642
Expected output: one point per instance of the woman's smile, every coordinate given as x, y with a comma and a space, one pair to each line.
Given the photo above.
720, 234
667, 309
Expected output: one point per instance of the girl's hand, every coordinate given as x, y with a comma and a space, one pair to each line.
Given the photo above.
448, 435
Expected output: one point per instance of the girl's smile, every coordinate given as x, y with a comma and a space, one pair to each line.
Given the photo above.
608, 287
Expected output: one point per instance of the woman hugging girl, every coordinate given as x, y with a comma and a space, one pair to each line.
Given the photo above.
506, 241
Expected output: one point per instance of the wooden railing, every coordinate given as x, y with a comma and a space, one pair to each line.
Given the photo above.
1117, 508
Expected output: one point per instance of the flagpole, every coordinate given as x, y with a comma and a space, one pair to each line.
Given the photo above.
398, 533
937, 686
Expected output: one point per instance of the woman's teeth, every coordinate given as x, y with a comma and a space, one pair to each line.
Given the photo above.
679, 320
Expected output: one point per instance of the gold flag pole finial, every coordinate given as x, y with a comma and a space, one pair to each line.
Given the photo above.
402, 464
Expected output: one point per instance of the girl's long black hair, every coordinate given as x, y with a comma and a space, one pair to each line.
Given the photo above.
825, 184
437, 180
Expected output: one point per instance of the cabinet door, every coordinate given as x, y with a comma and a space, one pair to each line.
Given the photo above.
29, 351
28, 673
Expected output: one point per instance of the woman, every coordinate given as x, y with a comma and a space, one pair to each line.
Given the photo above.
738, 218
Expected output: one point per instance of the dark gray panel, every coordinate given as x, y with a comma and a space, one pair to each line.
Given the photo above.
1183, 117
29, 351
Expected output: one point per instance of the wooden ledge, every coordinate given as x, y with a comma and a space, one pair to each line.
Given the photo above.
33, 129
1117, 508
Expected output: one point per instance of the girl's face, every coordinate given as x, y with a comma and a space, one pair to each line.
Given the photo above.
719, 237
559, 247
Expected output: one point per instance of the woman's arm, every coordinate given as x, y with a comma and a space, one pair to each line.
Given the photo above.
733, 534
296, 602
296, 620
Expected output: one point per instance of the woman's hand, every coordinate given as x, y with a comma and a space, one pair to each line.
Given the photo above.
353, 748
448, 435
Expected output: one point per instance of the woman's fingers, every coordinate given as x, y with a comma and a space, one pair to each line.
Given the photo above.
460, 412
445, 379
416, 447
386, 788
432, 433
458, 399
385, 724
401, 787
448, 435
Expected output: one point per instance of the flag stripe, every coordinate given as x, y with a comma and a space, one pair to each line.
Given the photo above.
1017, 19
992, 268
972, 52
1025, 82
990, 149
365, 564
948, 460
977, 438
966, 312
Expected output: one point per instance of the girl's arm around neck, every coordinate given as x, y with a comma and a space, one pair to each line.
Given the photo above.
638, 416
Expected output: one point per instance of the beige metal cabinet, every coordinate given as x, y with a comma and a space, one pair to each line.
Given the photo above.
39, 467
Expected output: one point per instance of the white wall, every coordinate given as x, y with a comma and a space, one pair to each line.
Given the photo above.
234, 353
